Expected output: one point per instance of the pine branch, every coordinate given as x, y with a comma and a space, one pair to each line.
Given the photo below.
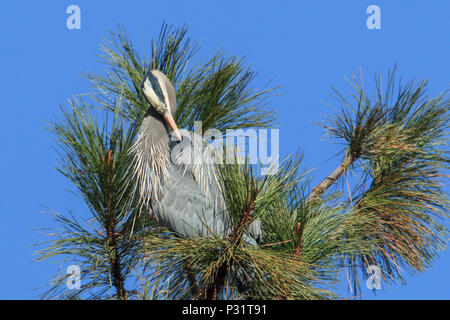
399, 144
323, 186
218, 91
95, 158
111, 232
218, 282
236, 239
192, 280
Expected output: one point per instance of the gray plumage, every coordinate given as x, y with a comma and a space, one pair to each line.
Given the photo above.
184, 197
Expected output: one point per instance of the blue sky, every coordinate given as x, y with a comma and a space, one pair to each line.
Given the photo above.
304, 46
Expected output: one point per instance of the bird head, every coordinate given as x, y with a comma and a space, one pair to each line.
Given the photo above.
160, 93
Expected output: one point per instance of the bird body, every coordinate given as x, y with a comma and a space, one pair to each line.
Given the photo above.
185, 197
187, 210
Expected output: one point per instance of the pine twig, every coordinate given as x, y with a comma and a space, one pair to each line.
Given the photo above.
192, 280
236, 239
111, 234
323, 186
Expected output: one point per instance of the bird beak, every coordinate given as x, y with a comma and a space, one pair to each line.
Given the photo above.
173, 125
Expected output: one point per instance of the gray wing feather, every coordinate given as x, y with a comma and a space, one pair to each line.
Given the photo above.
185, 209
191, 202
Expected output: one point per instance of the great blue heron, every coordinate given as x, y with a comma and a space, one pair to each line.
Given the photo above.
185, 198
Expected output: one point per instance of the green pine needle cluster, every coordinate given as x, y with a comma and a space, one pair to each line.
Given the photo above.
397, 145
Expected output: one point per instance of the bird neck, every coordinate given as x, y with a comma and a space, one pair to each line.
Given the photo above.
151, 157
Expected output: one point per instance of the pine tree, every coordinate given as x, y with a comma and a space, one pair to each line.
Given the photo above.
393, 148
